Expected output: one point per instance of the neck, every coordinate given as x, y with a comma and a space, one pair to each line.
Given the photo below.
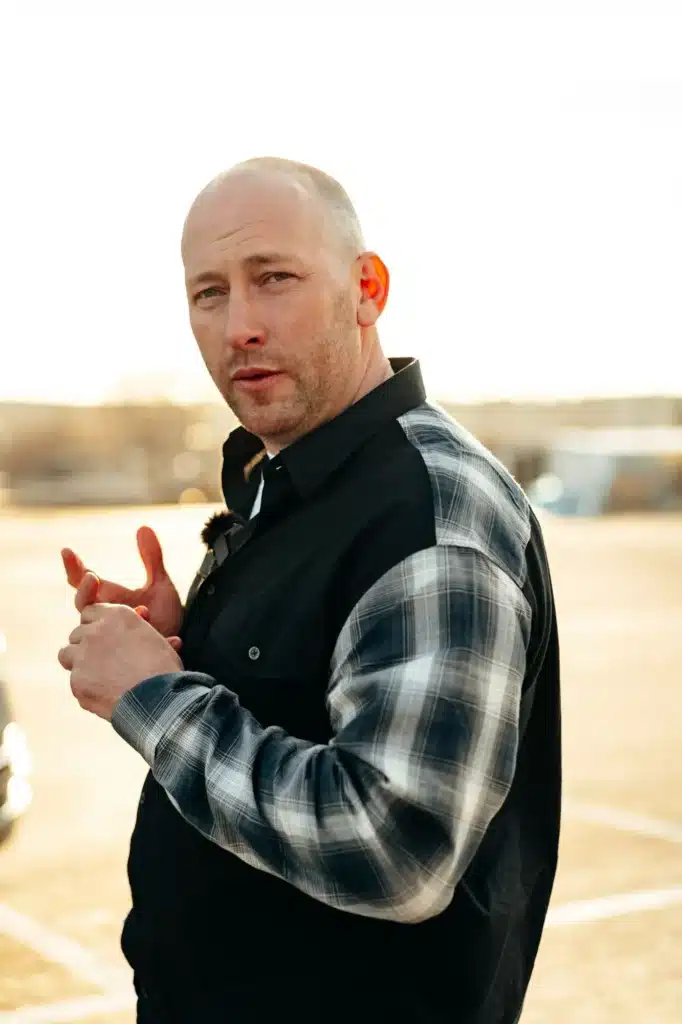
377, 372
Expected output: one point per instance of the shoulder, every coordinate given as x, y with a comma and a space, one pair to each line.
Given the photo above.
476, 502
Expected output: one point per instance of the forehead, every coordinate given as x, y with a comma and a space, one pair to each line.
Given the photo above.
248, 212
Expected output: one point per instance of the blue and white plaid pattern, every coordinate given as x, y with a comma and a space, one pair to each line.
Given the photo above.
424, 694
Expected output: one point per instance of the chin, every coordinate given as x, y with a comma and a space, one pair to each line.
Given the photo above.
268, 421
279, 431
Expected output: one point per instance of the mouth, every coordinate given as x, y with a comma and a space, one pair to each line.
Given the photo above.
254, 372
255, 377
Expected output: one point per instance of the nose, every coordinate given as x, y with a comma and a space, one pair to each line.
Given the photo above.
243, 328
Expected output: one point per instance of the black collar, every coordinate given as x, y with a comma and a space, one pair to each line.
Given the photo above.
314, 457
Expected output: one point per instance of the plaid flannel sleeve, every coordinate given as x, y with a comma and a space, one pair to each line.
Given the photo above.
424, 698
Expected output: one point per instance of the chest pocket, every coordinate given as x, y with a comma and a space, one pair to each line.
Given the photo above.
276, 660
265, 621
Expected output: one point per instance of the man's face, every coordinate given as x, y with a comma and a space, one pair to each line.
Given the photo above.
273, 305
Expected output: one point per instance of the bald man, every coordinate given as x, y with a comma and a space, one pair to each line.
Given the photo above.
352, 726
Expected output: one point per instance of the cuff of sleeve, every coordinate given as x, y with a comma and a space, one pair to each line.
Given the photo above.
144, 714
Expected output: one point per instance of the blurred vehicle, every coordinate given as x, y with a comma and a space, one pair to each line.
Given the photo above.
598, 472
15, 759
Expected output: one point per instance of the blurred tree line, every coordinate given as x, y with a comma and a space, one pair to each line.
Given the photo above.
176, 447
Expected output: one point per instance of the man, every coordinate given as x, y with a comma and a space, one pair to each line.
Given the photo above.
352, 809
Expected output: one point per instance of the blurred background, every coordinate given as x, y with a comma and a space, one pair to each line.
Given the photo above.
519, 168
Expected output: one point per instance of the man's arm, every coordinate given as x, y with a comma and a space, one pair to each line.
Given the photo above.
424, 702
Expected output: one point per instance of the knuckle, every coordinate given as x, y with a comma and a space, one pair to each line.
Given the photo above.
85, 702
79, 687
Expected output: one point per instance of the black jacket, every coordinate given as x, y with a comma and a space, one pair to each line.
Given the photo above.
212, 938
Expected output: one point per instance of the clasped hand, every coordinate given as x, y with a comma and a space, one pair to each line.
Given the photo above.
119, 641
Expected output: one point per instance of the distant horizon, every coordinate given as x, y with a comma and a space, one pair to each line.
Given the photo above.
217, 402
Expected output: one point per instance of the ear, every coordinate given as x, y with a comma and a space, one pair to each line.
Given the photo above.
374, 285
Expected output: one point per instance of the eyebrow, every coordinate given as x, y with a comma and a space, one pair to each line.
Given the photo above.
258, 259
264, 259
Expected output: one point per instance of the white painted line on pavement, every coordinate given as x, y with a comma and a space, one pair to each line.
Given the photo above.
624, 821
618, 905
71, 1010
81, 962
123, 998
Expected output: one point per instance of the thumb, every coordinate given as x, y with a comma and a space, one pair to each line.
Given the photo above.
87, 591
150, 552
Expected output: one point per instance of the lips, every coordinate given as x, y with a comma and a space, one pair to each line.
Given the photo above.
256, 380
254, 373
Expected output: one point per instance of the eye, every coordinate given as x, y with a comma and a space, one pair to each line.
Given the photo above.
275, 276
208, 293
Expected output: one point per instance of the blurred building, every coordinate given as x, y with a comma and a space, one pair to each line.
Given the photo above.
522, 434
622, 469
161, 452
111, 454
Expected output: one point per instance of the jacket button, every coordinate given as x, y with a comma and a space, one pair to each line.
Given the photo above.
210, 589
254, 653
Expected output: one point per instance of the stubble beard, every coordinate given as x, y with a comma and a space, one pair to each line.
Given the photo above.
314, 394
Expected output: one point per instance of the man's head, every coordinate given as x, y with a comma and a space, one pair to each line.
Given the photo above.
278, 280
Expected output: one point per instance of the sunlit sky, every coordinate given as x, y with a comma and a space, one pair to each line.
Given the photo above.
521, 175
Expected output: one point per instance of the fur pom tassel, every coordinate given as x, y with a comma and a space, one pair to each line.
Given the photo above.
218, 524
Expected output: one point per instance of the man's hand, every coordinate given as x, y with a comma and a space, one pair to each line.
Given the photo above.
113, 650
158, 595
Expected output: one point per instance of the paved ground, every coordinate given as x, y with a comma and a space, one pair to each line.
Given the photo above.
611, 951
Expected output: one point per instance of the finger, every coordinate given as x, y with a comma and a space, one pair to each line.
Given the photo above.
175, 642
151, 554
87, 701
94, 612
77, 690
142, 611
87, 591
88, 705
66, 656
76, 635
73, 566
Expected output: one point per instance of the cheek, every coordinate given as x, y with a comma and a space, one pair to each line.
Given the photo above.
288, 321
302, 308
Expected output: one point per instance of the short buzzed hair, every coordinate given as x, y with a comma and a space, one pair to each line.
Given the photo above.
335, 199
